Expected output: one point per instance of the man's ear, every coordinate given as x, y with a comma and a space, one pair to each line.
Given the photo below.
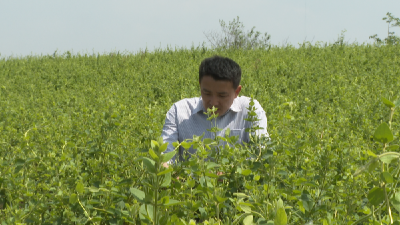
238, 89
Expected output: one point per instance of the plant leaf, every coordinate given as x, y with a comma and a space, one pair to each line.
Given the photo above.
93, 189
168, 156
388, 157
138, 194
96, 219
376, 195
227, 132
387, 103
212, 175
240, 195
248, 220
245, 208
387, 177
207, 141
80, 188
175, 144
164, 200
383, 133
262, 221
373, 165
220, 199
370, 153
186, 145
246, 172
172, 202
211, 165
306, 205
279, 204
143, 213
19, 162
281, 217
170, 169
114, 154
392, 148
150, 210
73, 198
153, 154
154, 144
167, 180
150, 164
18, 168
163, 147
396, 201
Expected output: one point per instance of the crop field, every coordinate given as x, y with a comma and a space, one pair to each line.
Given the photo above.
79, 139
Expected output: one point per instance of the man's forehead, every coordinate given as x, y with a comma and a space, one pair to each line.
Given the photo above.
209, 80
218, 92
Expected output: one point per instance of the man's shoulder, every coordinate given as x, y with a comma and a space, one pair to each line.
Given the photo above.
243, 102
188, 102
186, 105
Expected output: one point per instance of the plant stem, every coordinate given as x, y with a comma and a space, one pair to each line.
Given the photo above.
155, 196
391, 117
86, 213
387, 204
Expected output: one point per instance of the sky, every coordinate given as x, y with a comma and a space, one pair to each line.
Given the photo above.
42, 27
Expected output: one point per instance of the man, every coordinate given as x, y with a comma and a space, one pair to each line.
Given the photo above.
219, 80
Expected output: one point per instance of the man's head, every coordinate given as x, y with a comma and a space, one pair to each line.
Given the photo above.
219, 79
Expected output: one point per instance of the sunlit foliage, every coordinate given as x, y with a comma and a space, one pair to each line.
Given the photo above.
76, 137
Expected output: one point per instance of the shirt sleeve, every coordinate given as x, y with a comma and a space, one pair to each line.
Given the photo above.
170, 131
262, 123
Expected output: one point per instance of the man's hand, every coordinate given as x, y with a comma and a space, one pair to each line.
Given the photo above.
166, 165
219, 173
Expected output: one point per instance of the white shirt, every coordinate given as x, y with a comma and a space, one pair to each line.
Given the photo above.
186, 118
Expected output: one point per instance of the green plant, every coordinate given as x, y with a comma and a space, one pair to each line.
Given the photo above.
386, 193
234, 36
90, 119
391, 39
152, 199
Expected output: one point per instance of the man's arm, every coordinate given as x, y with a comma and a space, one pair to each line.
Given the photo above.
170, 131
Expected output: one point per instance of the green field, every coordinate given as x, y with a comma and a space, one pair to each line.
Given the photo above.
76, 131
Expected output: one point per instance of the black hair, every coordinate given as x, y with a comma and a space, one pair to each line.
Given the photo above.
221, 68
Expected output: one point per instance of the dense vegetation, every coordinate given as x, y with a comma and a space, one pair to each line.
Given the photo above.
76, 131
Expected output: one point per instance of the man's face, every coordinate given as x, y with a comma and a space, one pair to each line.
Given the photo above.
218, 93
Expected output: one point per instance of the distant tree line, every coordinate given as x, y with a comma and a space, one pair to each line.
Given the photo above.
233, 35
391, 39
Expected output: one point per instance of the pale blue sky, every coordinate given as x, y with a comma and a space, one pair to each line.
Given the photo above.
86, 26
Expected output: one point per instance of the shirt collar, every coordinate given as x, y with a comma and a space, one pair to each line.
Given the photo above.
236, 107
